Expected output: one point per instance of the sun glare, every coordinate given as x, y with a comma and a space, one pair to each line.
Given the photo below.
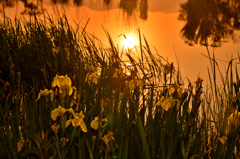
129, 42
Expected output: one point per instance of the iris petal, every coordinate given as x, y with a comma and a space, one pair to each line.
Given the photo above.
94, 123
58, 111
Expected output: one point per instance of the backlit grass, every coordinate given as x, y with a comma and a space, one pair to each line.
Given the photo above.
64, 94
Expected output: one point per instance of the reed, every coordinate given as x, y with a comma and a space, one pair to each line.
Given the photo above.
64, 94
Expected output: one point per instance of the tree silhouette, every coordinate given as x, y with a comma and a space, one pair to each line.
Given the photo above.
128, 6
107, 2
32, 8
78, 2
143, 9
209, 20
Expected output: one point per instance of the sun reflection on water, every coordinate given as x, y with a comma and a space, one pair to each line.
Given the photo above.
128, 41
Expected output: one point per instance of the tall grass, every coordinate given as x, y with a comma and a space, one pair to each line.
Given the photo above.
103, 106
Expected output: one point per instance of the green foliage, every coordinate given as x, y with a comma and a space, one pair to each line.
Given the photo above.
141, 108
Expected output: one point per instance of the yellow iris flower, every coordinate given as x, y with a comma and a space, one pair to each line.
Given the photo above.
65, 84
94, 123
167, 103
179, 90
94, 138
77, 120
92, 78
171, 90
45, 92
135, 83
106, 138
64, 140
223, 139
174, 88
235, 118
160, 102
55, 128
57, 112
20, 144
61, 81
117, 72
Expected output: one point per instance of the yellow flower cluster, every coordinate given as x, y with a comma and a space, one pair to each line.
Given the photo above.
167, 103
135, 83
76, 121
64, 85
58, 112
94, 123
45, 92
92, 78
117, 72
177, 88
223, 140
108, 137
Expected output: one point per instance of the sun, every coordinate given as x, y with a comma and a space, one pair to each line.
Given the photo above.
129, 42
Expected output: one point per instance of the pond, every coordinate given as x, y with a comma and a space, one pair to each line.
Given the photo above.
174, 29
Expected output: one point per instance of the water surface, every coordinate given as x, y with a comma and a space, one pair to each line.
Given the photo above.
178, 41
